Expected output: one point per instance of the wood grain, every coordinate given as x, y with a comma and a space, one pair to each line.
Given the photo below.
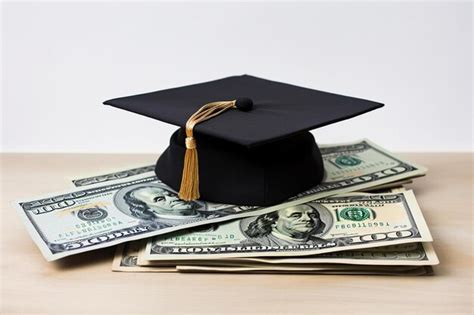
85, 283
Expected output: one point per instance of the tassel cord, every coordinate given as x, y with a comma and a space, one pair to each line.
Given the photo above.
189, 189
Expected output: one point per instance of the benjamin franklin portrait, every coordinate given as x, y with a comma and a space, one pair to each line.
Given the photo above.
288, 226
159, 203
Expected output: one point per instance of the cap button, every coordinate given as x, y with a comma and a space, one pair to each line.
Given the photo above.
244, 104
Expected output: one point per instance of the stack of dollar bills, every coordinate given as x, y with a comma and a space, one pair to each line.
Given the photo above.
359, 220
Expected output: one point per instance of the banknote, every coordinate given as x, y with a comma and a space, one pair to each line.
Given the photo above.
388, 186
403, 254
98, 216
357, 166
308, 267
125, 260
394, 189
342, 222
411, 254
118, 174
111, 176
409, 271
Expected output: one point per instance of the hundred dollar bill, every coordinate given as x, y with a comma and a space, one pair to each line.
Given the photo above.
388, 190
356, 166
412, 254
387, 187
408, 271
421, 254
309, 267
111, 176
359, 166
318, 226
98, 179
93, 217
125, 260
126, 256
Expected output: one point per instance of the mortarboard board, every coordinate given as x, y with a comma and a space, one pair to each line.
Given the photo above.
252, 137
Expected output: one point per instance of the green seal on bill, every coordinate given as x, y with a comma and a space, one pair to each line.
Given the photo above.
355, 214
347, 160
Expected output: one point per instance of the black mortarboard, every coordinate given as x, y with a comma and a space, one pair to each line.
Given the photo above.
257, 148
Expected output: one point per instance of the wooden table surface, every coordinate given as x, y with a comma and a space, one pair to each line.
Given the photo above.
85, 284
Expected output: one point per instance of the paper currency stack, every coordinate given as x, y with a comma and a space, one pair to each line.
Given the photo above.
360, 220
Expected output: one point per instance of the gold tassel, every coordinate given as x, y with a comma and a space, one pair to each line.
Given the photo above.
189, 189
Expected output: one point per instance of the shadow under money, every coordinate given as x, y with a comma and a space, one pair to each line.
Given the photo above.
84, 260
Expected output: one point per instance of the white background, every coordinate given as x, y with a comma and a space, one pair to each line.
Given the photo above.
61, 60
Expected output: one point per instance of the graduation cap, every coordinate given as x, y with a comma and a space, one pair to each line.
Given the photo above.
242, 140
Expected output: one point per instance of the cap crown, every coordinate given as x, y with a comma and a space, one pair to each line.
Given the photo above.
279, 110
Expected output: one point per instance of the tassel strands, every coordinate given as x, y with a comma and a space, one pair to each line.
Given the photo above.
189, 189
